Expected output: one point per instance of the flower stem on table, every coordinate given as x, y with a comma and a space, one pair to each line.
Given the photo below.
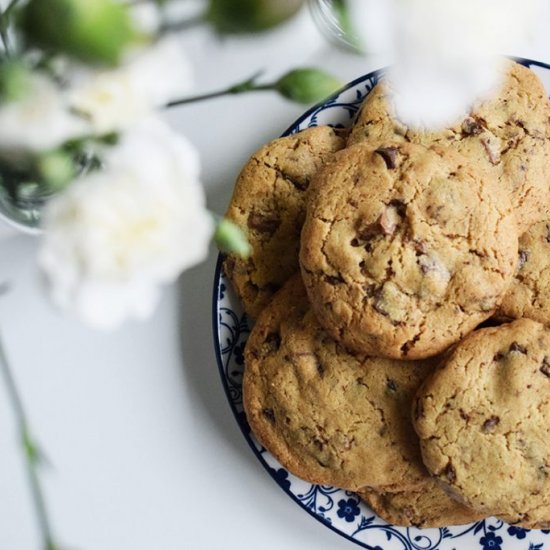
248, 85
305, 85
31, 452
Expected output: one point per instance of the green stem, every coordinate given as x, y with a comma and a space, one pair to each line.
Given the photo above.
4, 36
10, 8
185, 24
4, 25
30, 451
248, 85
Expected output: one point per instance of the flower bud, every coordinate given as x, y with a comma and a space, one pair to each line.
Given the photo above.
229, 237
56, 169
94, 31
242, 16
307, 85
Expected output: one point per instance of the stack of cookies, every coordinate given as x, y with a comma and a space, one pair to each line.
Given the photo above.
399, 285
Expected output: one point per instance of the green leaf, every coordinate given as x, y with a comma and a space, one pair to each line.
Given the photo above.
94, 31
308, 85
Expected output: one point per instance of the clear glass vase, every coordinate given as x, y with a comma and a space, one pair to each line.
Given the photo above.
332, 18
23, 212
23, 197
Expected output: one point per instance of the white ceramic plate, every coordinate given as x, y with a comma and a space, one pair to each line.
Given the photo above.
341, 510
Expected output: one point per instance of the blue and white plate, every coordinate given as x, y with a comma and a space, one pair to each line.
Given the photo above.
341, 510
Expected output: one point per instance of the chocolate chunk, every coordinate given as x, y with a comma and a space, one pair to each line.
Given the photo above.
264, 223
318, 443
471, 127
523, 257
545, 368
399, 206
391, 385
518, 348
269, 414
389, 154
369, 290
355, 243
450, 473
499, 356
490, 423
334, 280
368, 232
273, 342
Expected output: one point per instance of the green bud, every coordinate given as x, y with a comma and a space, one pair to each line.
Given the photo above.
94, 31
13, 80
56, 169
307, 85
243, 16
229, 237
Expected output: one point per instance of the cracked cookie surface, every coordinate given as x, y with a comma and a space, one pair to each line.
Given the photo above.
328, 416
268, 203
529, 293
482, 419
509, 133
430, 506
405, 249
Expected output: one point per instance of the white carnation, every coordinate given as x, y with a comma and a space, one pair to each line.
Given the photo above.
448, 53
113, 99
445, 52
114, 237
39, 120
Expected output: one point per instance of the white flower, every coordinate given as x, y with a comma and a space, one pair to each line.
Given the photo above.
114, 237
445, 52
39, 120
113, 99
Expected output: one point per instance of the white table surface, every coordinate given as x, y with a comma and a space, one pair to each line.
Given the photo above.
144, 449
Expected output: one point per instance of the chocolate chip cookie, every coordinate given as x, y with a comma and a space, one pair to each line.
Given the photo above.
483, 419
328, 416
405, 249
529, 293
427, 507
268, 203
507, 133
